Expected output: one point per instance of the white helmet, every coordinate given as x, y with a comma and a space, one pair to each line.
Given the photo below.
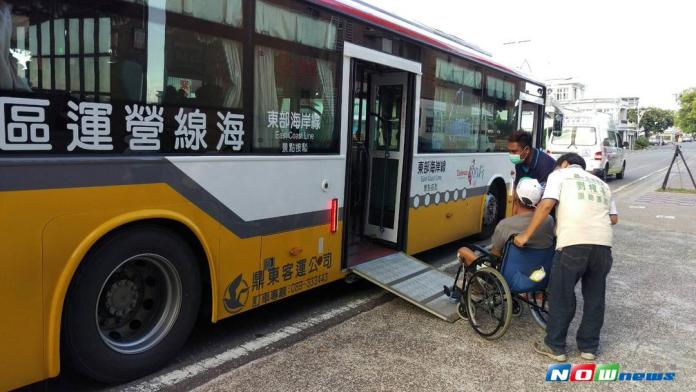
529, 192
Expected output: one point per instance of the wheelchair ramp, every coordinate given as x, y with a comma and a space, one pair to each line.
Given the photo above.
412, 280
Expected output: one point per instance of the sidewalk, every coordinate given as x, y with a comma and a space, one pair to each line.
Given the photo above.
650, 326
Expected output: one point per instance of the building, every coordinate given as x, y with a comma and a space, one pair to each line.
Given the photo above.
565, 90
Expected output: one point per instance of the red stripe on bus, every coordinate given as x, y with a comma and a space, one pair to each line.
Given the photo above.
409, 32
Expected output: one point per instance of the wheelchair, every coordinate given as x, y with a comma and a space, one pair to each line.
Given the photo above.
495, 289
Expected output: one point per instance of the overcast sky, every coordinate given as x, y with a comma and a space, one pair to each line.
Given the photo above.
615, 47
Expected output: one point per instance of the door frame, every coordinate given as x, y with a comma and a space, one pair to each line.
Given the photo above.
389, 235
353, 52
524, 97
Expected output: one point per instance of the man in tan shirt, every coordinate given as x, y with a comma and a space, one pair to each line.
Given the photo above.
585, 215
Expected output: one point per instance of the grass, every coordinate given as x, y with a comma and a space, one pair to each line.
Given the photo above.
678, 190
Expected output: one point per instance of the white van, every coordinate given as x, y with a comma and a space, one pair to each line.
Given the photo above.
594, 137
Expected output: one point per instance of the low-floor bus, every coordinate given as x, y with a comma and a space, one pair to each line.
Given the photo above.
161, 159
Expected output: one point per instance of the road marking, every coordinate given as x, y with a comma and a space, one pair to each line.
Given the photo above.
619, 189
177, 376
664, 217
639, 207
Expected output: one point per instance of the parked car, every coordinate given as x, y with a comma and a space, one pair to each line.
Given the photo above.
594, 137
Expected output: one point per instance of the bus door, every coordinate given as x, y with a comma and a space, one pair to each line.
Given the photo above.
387, 112
381, 89
531, 117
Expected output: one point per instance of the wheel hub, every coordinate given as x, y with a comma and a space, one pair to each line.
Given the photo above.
122, 297
139, 303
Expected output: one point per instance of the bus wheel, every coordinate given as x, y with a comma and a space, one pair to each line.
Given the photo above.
491, 213
131, 305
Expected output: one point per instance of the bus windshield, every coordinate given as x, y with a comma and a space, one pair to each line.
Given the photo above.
579, 136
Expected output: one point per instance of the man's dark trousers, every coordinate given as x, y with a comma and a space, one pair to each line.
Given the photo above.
591, 263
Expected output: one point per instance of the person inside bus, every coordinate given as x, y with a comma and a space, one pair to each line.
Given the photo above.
529, 161
528, 194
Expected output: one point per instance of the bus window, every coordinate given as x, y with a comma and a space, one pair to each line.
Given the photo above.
499, 115
450, 120
181, 59
294, 82
227, 12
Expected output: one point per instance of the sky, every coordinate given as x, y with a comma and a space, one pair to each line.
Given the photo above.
617, 48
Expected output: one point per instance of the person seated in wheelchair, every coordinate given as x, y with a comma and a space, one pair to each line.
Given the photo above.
528, 194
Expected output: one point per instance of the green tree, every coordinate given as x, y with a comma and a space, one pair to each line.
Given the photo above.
632, 115
656, 120
686, 116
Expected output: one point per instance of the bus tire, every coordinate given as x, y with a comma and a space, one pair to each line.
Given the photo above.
131, 305
492, 212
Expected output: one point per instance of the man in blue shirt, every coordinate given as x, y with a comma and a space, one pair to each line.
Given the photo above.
529, 161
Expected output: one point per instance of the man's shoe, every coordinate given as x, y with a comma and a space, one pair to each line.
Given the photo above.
588, 356
541, 348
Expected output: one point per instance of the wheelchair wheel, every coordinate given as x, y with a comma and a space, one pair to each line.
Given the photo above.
489, 303
461, 311
540, 310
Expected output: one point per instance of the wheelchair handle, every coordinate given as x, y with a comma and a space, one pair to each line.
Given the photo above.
511, 239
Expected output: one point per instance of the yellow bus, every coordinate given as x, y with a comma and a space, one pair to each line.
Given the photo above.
161, 159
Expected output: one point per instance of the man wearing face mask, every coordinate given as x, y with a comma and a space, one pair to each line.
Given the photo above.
529, 161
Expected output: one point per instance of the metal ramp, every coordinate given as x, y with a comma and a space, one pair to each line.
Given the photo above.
412, 280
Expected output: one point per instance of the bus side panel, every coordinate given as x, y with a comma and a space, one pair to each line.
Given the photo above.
442, 223
67, 238
285, 206
290, 262
447, 196
21, 329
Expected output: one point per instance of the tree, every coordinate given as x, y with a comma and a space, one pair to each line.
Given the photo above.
686, 116
632, 116
656, 120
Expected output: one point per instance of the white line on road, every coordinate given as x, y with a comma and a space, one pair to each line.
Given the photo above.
639, 207
619, 189
177, 376
664, 217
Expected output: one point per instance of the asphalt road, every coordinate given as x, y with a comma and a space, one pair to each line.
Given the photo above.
642, 163
256, 333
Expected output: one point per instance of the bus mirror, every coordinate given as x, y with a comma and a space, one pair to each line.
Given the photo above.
557, 125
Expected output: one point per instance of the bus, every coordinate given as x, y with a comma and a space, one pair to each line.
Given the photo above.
165, 159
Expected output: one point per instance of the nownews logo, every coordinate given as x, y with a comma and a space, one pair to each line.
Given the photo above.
601, 372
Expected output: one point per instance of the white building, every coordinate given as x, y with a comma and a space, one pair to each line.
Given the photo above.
565, 90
